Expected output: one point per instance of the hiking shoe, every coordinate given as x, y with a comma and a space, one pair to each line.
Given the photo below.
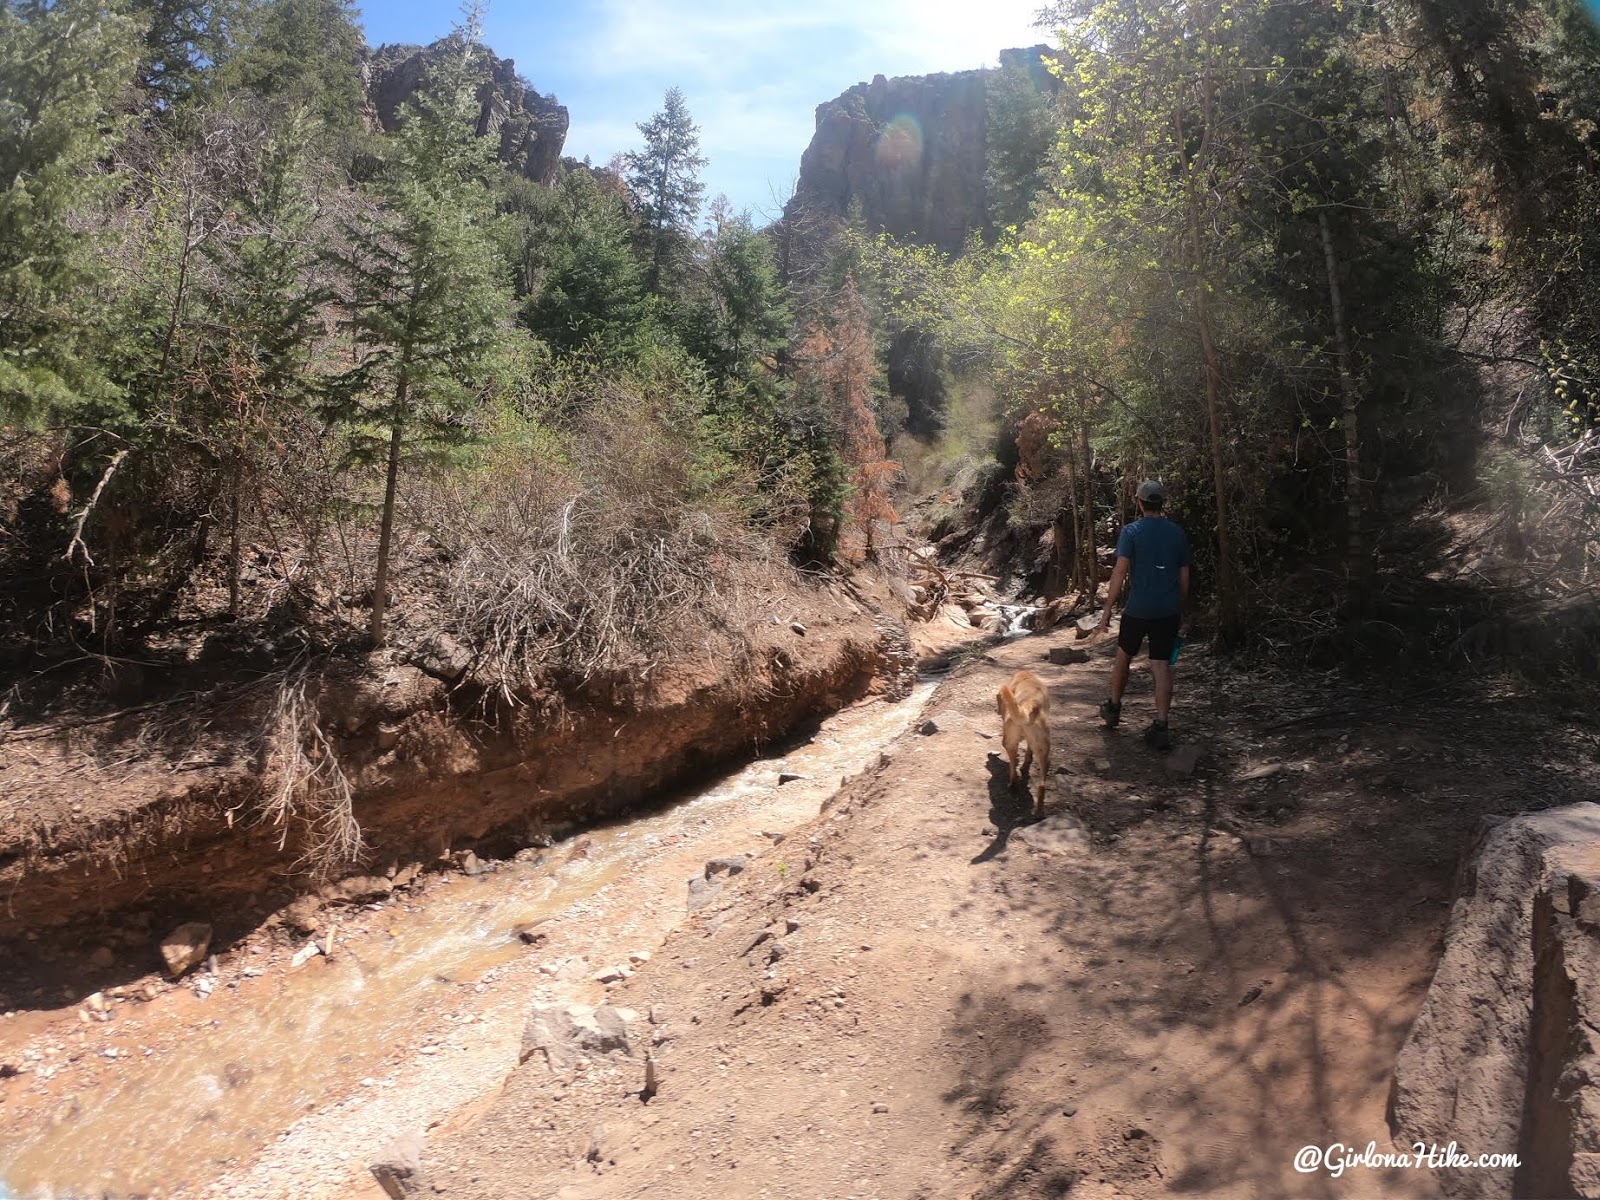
1111, 713
1157, 736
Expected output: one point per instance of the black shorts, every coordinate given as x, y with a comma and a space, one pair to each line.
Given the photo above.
1162, 631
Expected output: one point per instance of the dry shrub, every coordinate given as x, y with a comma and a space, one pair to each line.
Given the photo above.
590, 547
305, 784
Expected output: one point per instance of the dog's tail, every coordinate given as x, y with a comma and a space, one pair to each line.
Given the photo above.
1005, 699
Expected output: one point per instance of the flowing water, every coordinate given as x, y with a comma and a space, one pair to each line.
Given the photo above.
199, 1087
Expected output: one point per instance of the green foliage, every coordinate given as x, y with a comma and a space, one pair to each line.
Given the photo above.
738, 319
665, 178
425, 288
183, 41
63, 69
306, 54
585, 288
1020, 133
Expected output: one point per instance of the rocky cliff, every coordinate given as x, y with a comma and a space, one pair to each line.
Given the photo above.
531, 128
912, 151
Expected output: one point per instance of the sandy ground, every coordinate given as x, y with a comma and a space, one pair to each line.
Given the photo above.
1170, 985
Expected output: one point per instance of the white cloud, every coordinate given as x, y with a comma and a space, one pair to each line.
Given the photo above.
721, 37
754, 71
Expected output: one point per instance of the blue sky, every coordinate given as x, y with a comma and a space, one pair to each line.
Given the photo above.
753, 71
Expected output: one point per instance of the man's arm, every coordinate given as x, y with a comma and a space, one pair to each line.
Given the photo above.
1119, 576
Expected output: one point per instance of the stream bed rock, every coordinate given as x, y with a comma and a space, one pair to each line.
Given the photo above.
1501, 1058
564, 1032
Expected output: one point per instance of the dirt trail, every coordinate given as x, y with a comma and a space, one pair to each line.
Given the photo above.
1169, 985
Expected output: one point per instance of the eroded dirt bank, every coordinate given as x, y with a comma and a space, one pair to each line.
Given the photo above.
273, 1074
164, 824
1171, 985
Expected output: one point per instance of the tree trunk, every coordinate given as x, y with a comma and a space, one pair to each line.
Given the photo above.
1070, 465
1090, 546
1230, 621
233, 540
380, 586
1061, 556
189, 245
1357, 560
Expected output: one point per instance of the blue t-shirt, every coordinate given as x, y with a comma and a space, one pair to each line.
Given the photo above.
1158, 548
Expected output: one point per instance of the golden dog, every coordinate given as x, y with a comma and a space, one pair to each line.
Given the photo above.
1025, 707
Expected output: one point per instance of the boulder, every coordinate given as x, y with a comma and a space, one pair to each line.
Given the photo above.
1062, 833
445, 658
565, 1032
1560, 1148
957, 616
1062, 656
185, 947
1500, 1058
398, 1169
731, 863
702, 892
304, 915
357, 889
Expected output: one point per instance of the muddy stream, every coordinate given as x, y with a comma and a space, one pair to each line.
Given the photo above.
285, 1080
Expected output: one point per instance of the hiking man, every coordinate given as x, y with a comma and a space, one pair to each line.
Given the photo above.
1154, 552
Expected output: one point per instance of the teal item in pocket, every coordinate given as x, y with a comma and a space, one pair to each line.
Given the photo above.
1177, 645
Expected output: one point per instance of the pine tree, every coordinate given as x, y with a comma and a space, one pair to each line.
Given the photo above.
665, 177
842, 362
63, 66
308, 54
590, 291
739, 319
1019, 133
184, 42
426, 289
263, 308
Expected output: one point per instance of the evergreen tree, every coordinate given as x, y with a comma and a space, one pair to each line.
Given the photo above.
307, 53
739, 319
184, 42
665, 178
64, 65
263, 303
1020, 131
589, 290
426, 289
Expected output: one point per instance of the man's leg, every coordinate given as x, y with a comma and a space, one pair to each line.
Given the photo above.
1163, 673
1119, 675
1163, 641
1130, 636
